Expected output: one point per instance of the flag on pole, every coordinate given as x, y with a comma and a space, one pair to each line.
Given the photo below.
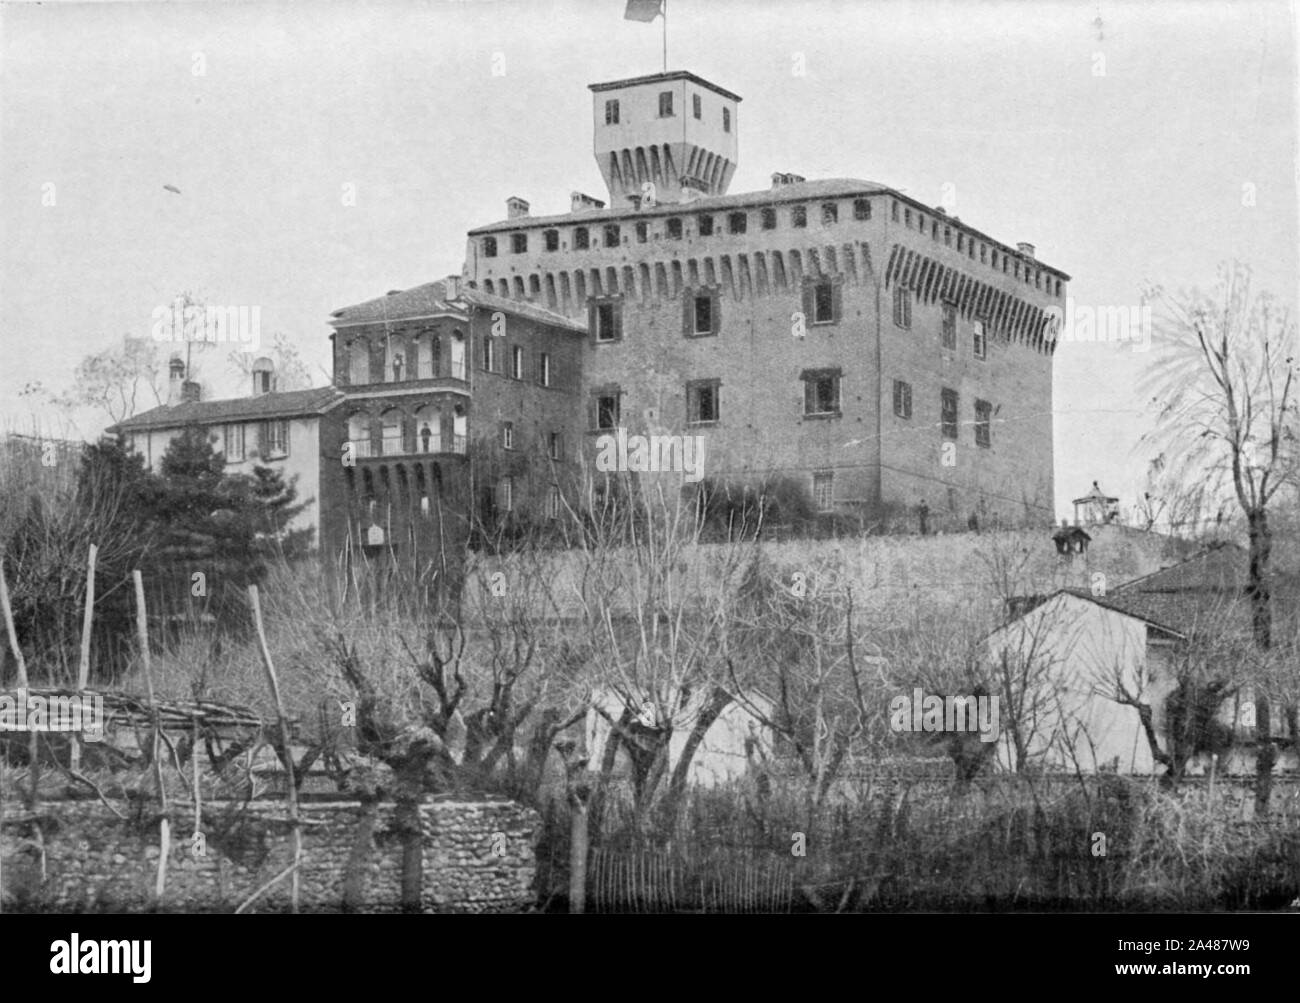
643, 10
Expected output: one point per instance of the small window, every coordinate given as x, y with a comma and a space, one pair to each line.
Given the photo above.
234, 443
726, 119
947, 236
555, 446
607, 411
961, 241
665, 104
697, 106
948, 413
862, 208
703, 315
948, 332
581, 239
551, 240
705, 225
907, 218
674, 228
934, 231
981, 343
983, 423
275, 440
902, 399
507, 494
613, 235
519, 243
611, 113
824, 492
993, 259
824, 303
553, 502
799, 216
489, 247
489, 355
821, 392
768, 217
920, 222
893, 211
508, 435
970, 249
702, 402
544, 369
642, 232
830, 213
737, 222
902, 307
605, 321
516, 363
984, 253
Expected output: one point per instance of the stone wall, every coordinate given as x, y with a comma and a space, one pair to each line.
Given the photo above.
78, 856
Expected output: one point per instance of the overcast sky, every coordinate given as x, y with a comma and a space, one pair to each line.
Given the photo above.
1126, 141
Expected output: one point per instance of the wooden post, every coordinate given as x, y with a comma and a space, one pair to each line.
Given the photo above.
83, 667
284, 742
164, 829
12, 632
577, 855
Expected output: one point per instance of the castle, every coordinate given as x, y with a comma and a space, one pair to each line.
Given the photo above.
835, 333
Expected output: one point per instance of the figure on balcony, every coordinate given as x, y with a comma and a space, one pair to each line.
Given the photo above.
426, 433
397, 367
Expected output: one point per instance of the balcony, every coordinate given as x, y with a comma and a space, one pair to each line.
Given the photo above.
456, 371
363, 449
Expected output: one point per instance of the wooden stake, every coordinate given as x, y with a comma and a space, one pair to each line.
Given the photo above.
142, 632
284, 742
83, 668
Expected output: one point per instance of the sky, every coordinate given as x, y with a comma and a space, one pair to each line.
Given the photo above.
326, 153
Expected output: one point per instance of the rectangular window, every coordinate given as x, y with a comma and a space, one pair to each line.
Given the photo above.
519, 243
507, 494
551, 240
665, 104
553, 502
703, 314
830, 213
902, 399
275, 440
612, 235
705, 225
604, 321
902, 307
981, 345
607, 411
642, 232
674, 228
983, 422
489, 247
799, 216
508, 435
769, 219
555, 446
611, 113
947, 236
697, 106
737, 222
489, 355
516, 363
961, 241
581, 239
726, 119
862, 208
824, 492
893, 211
948, 413
823, 303
907, 218
234, 443
948, 331
821, 391
702, 401
544, 369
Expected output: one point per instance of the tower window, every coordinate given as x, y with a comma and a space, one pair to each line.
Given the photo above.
902, 399
544, 369
824, 491
642, 232
612, 235
830, 213
489, 355
821, 391
823, 303
947, 236
697, 105
705, 224
611, 113
862, 208
507, 494
702, 401
948, 331
799, 216
674, 228
553, 502
519, 243
983, 422
769, 219
665, 104
551, 240
489, 247
516, 363
555, 446
581, 239
902, 307
703, 314
508, 435
726, 119
893, 211
980, 341
948, 413
607, 410
737, 222
605, 321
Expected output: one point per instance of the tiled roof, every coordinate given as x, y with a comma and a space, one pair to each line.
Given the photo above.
431, 298
289, 404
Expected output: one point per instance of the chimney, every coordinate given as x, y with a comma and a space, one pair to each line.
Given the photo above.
516, 208
580, 202
1026, 249
451, 287
190, 392
782, 178
175, 377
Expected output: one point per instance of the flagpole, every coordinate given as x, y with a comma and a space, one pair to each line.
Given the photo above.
665, 36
